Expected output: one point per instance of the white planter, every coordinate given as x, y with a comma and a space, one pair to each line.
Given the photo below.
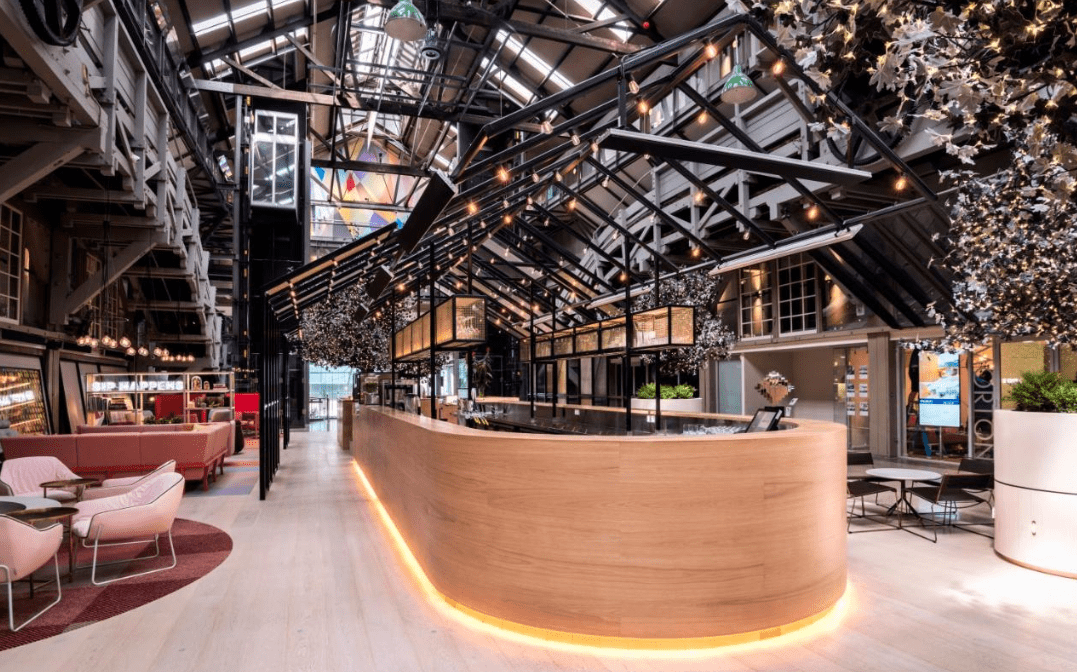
1036, 490
678, 405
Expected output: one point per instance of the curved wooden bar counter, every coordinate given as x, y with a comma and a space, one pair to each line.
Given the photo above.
618, 536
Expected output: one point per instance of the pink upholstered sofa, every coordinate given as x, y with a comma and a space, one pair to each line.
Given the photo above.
199, 450
179, 427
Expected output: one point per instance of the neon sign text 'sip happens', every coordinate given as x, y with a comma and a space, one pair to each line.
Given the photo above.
137, 386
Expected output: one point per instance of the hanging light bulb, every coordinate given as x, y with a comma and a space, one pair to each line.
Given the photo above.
703, 117
130, 351
125, 342
644, 108
503, 174
633, 85
575, 140
405, 22
778, 69
142, 351
813, 213
93, 342
901, 183
738, 89
157, 352
535, 178
571, 205
547, 127
472, 208
695, 253
711, 51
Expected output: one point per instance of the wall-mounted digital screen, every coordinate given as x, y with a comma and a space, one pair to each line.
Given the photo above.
940, 389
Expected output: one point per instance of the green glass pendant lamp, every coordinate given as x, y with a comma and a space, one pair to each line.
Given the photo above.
405, 22
739, 88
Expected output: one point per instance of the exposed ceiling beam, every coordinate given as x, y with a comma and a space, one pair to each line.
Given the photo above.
451, 12
370, 167
740, 159
365, 104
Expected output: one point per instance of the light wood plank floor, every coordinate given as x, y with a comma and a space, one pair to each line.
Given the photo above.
313, 585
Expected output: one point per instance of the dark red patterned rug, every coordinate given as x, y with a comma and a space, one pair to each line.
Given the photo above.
199, 549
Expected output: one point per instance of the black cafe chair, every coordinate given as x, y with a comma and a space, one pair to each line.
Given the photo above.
859, 487
954, 491
979, 465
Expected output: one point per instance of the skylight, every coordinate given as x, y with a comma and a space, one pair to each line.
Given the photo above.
510, 85
621, 29
252, 55
559, 81
238, 14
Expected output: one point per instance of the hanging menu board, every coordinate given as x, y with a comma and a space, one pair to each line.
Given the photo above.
22, 402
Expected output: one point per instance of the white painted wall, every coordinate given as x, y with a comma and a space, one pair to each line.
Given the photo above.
811, 371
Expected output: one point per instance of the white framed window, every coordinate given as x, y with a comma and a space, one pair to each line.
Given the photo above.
10, 264
797, 295
756, 302
274, 159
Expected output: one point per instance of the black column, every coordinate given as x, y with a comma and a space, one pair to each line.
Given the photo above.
627, 382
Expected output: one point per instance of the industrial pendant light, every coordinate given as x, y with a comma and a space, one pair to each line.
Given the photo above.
405, 22
739, 88
431, 50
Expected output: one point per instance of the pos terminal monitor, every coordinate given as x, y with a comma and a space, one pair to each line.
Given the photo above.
766, 419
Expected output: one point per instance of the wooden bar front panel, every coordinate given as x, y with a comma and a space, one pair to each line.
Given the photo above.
653, 537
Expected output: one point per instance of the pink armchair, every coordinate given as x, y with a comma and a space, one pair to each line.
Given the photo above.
24, 476
138, 516
23, 550
111, 487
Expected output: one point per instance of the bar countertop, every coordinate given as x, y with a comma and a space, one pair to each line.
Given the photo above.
633, 536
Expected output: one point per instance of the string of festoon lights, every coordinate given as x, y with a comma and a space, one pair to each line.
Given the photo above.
124, 343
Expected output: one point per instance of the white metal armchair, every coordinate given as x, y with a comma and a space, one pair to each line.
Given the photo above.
112, 487
139, 516
24, 549
23, 476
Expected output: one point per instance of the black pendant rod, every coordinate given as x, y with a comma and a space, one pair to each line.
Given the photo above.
553, 346
433, 336
392, 347
470, 278
627, 368
657, 355
531, 375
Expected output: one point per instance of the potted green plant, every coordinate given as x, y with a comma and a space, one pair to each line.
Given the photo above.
680, 398
1036, 474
